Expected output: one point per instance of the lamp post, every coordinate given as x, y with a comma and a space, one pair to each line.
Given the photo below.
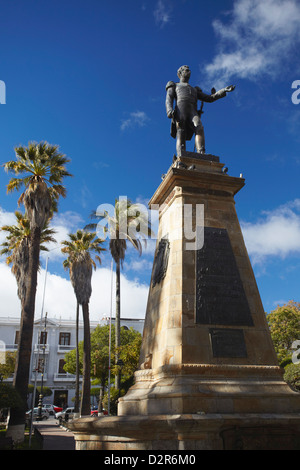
40, 405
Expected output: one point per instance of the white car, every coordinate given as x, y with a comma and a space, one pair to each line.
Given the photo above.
50, 409
65, 414
45, 413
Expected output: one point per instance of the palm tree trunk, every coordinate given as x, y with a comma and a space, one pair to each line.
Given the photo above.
16, 424
118, 321
86, 383
76, 404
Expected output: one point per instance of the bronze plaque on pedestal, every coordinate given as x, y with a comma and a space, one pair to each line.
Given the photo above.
228, 343
220, 295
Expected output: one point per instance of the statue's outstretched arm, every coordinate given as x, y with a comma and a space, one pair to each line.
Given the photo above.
214, 96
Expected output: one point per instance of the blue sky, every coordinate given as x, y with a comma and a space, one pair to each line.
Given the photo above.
90, 76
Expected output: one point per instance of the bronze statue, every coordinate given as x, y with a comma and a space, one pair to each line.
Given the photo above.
185, 117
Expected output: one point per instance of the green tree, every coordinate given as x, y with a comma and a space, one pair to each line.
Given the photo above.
7, 366
40, 169
100, 358
284, 323
9, 397
292, 376
80, 264
128, 223
128, 351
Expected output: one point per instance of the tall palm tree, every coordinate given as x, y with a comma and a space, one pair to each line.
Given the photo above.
129, 223
80, 264
40, 169
16, 248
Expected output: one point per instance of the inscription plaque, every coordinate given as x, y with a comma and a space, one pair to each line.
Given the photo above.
228, 343
220, 295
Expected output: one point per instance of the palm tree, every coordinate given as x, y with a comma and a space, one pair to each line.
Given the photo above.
40, 169
80, 264
16, 248
129, 223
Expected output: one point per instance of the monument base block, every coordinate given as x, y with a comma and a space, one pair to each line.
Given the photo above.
206, 388
186, 432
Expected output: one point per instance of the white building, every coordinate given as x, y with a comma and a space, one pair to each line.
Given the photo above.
51, 341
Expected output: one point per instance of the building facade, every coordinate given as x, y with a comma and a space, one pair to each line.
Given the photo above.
52, 339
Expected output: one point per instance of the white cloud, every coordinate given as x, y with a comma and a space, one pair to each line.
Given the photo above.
60, 297
60, 301
136, 119
162, 13
63, 224
277, 233
10, 303
138, 265
256, 40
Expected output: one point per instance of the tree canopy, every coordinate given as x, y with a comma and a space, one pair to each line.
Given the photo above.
284, 323
129, 352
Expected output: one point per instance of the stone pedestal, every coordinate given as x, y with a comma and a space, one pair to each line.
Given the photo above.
208, 376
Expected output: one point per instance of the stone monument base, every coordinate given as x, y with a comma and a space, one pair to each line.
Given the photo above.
208, 377
185, 432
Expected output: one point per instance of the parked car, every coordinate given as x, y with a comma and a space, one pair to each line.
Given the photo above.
51, 409
44, 415
95, 412
57, 409
65, 415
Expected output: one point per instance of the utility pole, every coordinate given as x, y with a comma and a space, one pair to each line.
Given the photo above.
40, 405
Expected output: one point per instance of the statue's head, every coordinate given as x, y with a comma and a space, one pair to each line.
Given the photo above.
184, 72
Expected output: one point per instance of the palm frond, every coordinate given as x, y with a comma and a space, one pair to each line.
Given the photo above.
39, 163
14, 185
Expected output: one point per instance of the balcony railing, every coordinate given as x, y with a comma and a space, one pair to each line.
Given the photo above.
41, 348
63, 348
65, 377
11, 347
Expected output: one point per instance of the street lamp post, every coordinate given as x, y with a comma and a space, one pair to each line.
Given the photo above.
40, 405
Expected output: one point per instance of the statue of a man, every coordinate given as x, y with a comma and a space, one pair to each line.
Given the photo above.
185, 118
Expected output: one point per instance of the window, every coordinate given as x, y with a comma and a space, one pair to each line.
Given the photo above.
43, 337
41, 366
64, 339
61, 364
17, 337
